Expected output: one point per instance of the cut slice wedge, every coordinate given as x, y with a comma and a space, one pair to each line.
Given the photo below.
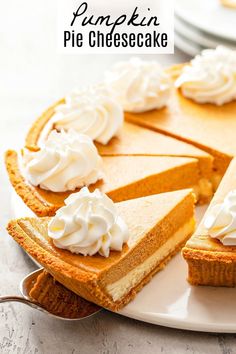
158, 226
126, 177
209, 261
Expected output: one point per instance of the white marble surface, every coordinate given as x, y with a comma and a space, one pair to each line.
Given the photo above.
33, 75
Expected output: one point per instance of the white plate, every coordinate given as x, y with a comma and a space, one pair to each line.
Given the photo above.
187, 46
199, 37
209, 16
168, 300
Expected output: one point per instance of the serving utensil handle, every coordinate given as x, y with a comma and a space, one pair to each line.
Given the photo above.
23, 301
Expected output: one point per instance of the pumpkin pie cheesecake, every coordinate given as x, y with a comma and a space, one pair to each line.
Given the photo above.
201, 107
99, 116
107, 252
68, 161
133, 140
211, 251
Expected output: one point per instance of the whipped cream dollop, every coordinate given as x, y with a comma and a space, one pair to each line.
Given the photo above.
66, 161
210, 77
139, 85
92, 111
88, 224
221, 221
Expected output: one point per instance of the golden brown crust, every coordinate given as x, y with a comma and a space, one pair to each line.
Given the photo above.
57, 299
210, 268
27, 192
55, 266
33, 135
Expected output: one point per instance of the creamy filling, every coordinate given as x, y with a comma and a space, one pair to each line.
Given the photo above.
121, 287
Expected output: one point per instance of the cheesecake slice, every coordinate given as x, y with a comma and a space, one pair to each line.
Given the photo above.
201, 125
209, 261
158, 226
135, 141
125, 177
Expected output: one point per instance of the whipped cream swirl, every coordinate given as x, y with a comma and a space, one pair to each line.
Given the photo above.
139, 85
221, 222
65, 162
92, 111
210, 77
88, 224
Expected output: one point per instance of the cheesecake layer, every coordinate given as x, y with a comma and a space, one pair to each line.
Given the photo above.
209, 261
126, 177
121, 287
151, 221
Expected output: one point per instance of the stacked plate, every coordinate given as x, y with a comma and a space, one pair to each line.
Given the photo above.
201, 24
